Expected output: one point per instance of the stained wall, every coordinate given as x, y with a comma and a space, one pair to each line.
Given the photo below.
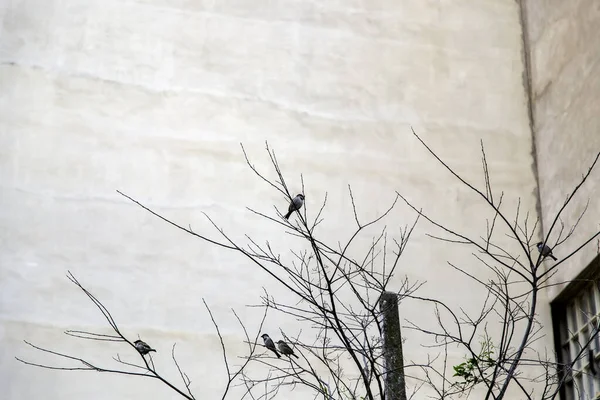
565, 86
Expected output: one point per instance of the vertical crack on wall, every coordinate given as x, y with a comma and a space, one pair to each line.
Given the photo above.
526, 56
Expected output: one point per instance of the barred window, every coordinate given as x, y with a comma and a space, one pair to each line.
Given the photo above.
576, 318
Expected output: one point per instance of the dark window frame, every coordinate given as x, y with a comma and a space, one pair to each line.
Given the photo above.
558, 309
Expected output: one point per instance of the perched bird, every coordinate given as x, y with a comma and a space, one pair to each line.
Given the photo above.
295, 205
142, 347
285, 349
545, 250
269, 344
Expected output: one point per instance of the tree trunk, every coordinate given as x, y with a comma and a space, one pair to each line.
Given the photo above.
395, 387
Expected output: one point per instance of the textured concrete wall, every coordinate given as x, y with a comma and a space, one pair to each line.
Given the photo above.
153, 98
565, 76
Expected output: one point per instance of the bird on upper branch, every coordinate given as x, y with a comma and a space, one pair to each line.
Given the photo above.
295, 205
545, 250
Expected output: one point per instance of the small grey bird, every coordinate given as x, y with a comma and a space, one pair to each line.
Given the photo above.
269, 344
285, 349
142, 347
545, 250
295, 205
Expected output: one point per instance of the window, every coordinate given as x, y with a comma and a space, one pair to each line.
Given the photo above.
576, 316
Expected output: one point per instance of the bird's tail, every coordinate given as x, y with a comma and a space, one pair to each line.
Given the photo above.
287, 216
554, 258
277, 354
151, 350
295, 356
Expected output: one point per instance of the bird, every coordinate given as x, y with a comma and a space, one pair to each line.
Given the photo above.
285, 349
269, 344
545, 250
142, 347
295, 205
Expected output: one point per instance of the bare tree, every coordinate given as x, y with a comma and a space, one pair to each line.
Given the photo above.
334, 291
335, 295
519, 273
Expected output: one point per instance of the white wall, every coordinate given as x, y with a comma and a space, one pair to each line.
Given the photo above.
153, 98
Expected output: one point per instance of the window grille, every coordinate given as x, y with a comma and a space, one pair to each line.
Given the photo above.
579, 320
